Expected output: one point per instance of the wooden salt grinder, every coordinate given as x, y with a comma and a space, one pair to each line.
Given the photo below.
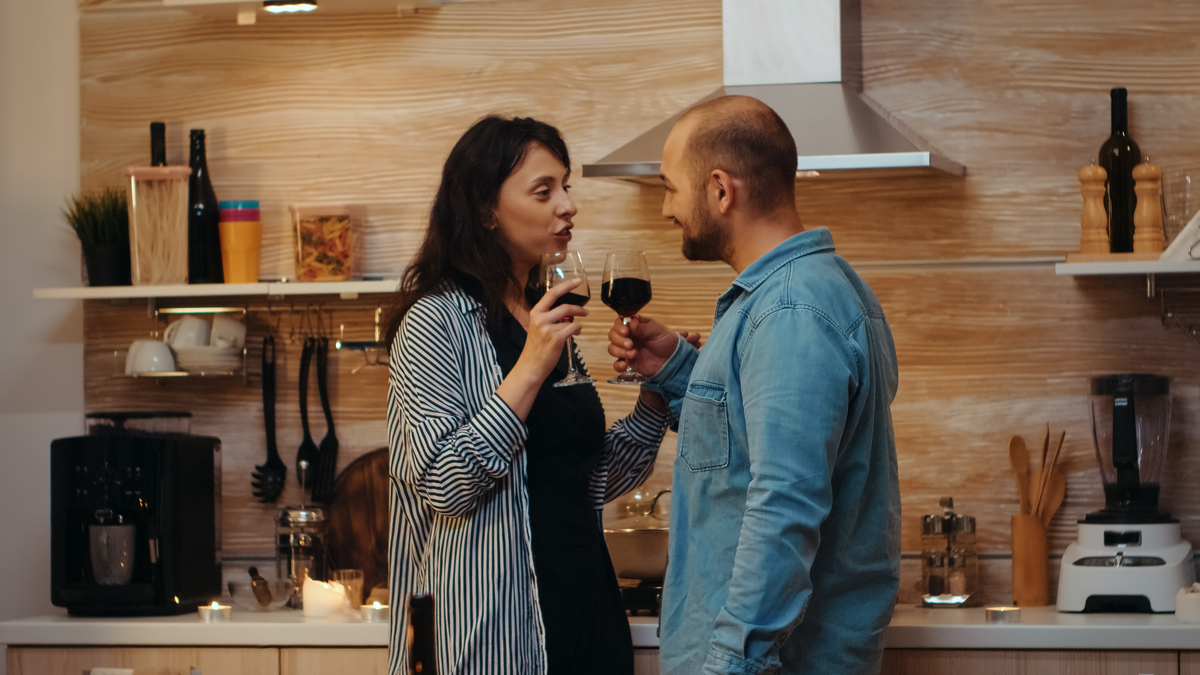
1093, 220
1147, 217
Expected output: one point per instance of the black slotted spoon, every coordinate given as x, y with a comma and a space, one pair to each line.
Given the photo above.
268, 479
328, 448
307, 452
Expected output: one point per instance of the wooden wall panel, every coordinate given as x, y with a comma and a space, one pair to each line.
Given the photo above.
364, 109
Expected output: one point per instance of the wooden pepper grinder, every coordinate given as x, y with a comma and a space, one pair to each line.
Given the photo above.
1093, 220
1147, 217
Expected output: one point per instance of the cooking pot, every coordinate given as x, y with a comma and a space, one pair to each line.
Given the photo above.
638, 545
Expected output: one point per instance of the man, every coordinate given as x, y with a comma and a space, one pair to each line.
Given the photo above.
785, 523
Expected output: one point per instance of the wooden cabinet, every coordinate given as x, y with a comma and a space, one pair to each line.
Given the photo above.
333, 661
143, 660
1189, 663
1003, 662
645, 661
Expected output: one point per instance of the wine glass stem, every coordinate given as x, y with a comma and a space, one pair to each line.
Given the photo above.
628, 362
571, 372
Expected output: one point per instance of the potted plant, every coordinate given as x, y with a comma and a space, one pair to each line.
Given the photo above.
100, 219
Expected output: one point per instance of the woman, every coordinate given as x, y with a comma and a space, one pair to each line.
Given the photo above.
500, 476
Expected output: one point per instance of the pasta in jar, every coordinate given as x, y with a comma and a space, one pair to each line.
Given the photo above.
328, 243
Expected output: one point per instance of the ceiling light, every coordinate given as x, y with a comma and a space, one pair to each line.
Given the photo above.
289, 6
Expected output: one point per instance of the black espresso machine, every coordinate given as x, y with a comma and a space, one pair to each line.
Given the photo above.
135, 517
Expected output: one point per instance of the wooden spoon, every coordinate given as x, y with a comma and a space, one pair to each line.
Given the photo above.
1039, 498
1018, 458
1056, 490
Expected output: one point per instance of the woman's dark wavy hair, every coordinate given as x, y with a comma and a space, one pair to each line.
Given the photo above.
459, 246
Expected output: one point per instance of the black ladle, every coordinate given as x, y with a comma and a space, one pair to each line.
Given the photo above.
268, 479
307, 452
328, 448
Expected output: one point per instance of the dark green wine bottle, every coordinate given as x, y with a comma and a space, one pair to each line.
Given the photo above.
204, 219
1118, 156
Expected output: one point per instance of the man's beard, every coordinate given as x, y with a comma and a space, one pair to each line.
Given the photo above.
710, 241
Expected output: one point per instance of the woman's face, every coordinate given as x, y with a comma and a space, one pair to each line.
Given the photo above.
533, 212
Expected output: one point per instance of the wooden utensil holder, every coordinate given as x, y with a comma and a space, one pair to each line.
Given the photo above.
1031, 586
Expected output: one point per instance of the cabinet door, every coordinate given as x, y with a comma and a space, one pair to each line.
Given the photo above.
645, 662
1189, 663
999, 662
143, 660
334, 661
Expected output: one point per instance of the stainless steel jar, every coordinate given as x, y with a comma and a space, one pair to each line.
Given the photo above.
949, 559
300, 548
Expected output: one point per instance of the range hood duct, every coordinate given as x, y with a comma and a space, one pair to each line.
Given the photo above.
804, 59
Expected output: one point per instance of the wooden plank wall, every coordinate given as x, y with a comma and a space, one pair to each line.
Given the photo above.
364, 109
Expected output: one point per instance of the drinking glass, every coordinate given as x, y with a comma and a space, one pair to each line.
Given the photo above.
626, 289
352, 581
557, 268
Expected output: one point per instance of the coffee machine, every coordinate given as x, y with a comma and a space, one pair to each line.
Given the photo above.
135, 522
1130, 556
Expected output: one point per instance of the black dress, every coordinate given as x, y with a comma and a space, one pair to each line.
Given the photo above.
587, 632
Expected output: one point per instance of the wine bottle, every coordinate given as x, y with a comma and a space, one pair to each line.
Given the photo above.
158, 144
1118, 156
422, 648
204, 218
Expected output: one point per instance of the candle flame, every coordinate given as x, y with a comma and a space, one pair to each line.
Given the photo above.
377, 605
215, 605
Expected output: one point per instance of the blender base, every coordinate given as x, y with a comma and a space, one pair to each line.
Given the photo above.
1125, 567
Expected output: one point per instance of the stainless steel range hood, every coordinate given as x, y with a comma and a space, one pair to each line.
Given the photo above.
803, 58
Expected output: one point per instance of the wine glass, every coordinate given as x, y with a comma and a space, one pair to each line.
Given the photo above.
557, 268
626, 289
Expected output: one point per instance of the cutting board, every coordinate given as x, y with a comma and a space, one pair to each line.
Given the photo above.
357, 530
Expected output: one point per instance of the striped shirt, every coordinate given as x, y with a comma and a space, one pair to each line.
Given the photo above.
460, 508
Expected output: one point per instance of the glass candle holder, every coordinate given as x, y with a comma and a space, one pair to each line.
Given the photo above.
375, 613
215, 613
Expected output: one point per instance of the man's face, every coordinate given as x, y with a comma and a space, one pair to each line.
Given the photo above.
687, 204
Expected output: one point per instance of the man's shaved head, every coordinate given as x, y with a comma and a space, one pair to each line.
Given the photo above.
746, 138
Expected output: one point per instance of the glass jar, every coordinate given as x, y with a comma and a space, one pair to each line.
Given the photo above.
949, 559
329, 242
300, 548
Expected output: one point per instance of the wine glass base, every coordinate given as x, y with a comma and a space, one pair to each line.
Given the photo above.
628, 377
573, 379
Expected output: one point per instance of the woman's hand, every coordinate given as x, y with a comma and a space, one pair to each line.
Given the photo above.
547, 332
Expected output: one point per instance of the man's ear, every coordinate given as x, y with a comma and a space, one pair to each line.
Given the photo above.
724, 191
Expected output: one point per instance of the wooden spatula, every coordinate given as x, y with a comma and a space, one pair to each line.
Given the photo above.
1018, 458
1056, 490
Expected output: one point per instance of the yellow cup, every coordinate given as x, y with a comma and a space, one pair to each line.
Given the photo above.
241, 250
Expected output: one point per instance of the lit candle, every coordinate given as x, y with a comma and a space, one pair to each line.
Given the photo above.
215, 613
375, 613
323, 599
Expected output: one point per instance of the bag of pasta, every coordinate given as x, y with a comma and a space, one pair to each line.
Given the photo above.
328, 242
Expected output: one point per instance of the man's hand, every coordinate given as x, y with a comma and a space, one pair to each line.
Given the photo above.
645, 343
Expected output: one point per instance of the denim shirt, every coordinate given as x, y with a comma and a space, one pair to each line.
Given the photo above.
785, 518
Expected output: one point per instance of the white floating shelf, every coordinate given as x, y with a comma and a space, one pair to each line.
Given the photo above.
1127, 267
343, 288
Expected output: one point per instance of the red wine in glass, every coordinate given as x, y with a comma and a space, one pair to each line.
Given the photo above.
557, 268
626, 296
626, 289
572, 299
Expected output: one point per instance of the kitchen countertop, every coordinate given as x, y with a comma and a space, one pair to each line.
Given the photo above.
911, 628
1040, 628
285, 628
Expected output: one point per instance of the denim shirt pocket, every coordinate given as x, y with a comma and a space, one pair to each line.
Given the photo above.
704, 429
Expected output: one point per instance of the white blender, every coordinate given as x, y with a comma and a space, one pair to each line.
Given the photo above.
1129, 557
